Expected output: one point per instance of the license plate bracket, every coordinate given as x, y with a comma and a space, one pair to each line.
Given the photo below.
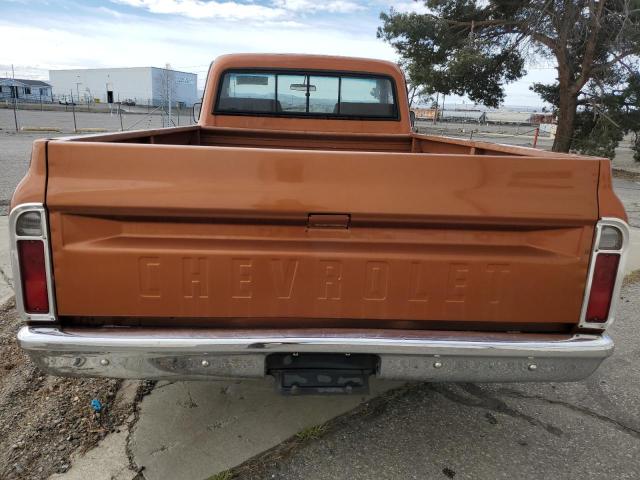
322, 373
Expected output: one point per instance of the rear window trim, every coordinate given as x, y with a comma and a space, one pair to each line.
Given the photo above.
311, 72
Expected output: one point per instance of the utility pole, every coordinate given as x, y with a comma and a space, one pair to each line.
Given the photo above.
89, 99
168, 71
170, 122
167, 94
14, 90
78, 88
73, 109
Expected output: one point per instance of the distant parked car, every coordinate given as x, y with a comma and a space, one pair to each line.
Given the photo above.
66, 102
129, 103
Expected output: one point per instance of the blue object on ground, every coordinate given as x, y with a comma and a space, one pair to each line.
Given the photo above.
96, 405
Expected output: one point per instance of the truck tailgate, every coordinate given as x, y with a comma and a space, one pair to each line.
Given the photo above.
215, 234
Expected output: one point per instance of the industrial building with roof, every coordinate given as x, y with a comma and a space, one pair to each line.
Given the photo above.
486, 117
25, 90
136, 85
463, 116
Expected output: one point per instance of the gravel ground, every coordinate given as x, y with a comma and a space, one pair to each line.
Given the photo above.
587, 430
44, 419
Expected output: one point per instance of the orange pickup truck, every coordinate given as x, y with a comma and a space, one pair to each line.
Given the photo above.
302, 230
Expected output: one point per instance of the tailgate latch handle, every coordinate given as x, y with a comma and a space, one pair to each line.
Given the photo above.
329, 220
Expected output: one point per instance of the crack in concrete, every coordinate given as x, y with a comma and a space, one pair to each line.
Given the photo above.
484, 400
480, 399
6, 278
145, 388
162, 448
190, 403
160, 387
576, 408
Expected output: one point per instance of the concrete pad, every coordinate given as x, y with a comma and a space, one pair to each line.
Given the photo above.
633, 258
107, 461
193, 430
6, 288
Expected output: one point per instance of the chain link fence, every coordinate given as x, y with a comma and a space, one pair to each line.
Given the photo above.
65, 114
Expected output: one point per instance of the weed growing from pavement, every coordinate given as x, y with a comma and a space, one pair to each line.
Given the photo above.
312, 433
226, 475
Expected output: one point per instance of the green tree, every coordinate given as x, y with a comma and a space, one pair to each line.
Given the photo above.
608, 109
474, 48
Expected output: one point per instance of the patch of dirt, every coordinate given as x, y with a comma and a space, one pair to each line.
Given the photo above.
44, 419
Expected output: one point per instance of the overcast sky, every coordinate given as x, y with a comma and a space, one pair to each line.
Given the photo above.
39, 35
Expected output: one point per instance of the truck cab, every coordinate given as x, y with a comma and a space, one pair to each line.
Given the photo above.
302, 230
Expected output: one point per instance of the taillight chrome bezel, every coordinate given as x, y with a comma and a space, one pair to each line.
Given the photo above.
14, 238
623, 227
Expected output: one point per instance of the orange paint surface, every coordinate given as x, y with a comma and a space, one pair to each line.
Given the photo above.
225, 220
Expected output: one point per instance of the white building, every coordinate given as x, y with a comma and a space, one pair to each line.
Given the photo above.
139, 85
462, 116
506, 117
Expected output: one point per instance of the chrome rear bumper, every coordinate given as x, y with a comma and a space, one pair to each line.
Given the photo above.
201, 354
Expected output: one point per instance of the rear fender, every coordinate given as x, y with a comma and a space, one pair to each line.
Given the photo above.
32, 187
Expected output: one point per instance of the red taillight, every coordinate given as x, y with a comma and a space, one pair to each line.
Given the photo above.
602, 285
34, 276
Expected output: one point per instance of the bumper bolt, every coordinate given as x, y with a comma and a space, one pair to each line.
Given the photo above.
204, 363
104, 362
437, 364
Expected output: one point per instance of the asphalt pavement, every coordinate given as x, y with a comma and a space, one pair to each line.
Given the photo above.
629, 192
15, 147
583, 430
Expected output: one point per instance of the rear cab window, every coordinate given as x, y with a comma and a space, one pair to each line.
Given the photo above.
313, 94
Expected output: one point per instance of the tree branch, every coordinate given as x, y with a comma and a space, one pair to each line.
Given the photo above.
616, 59
476, 23
547, 41
590, 48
